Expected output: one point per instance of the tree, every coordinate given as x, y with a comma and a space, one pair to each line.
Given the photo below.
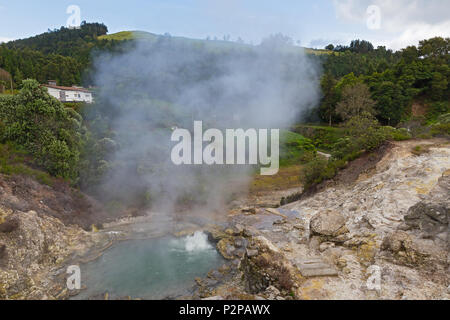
18, 77
365, 132
327, 108
5, 79
348, 80
361, 46
434, 47
329, 47
44, 127
410, 54
439, 85
356, 100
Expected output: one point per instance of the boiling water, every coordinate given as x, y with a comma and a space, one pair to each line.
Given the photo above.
150, 269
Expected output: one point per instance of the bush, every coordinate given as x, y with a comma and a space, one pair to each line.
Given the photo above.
420, 150
436, 110
445, 118
396, 134
365, 132
401, 134
315, 171
441, 129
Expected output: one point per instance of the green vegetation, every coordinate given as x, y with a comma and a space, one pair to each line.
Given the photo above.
17, 161
323, 137
41, 125
129, 35
420, 150
361, 83
62, 55
441, 127
360, 134
315, 171
437, 111
394, 79
295, 148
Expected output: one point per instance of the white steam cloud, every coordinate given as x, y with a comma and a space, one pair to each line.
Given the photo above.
153, 87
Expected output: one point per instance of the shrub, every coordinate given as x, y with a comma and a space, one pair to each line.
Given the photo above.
365, 132
315, 172
401, 134
283, 275
396, 134
445, 118
441, 129
436, 110
420, 150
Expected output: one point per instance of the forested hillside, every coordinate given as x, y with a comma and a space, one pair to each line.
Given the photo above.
394, 80
63, 54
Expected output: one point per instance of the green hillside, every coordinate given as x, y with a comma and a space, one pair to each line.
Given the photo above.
65, 55
209, 44
129, 35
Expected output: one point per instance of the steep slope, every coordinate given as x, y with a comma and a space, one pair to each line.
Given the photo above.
390, 227
41, 228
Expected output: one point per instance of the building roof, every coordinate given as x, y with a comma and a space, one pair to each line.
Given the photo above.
67, 88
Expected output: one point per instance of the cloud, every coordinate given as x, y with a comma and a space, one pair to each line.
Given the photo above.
420, 31
404, 22
4, 39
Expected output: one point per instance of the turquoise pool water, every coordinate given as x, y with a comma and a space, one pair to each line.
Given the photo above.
150, 269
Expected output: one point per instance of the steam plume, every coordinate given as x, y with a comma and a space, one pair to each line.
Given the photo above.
154, 86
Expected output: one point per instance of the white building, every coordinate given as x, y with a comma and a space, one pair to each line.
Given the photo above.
69, 94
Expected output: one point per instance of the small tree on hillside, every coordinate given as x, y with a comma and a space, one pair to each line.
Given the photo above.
356, 100
365, 132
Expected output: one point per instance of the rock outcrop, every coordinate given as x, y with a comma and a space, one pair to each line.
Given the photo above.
328, 225
31, 249
392, 224
41, 229
431, 216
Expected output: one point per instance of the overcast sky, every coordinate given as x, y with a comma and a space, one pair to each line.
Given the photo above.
394, 23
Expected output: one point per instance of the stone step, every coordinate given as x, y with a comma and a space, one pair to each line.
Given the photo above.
315, 267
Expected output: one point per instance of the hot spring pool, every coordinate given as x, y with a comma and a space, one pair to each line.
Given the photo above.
150, 269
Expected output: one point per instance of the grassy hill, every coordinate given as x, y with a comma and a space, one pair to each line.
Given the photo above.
129, 35
209, 44
65, 55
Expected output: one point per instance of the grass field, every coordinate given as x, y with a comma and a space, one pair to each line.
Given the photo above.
288, 177
129, 35
292, 147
